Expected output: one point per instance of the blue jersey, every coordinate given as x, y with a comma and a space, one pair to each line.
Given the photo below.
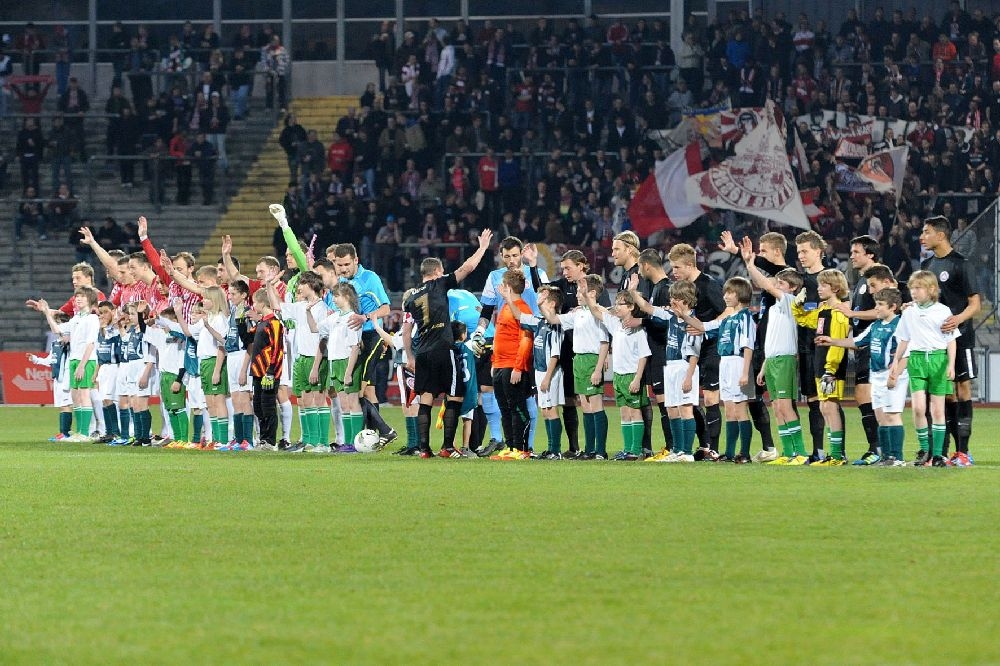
467, 360
680, 346
233, 342
547, 343
135, 346
371, 293
107, 348
881, 340
192, 366
492, 297
463, 306
59, 352
736, 332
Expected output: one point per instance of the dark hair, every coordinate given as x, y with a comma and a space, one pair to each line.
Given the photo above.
241, 286
313, 281
510, 243
879, 272
345, 250
554, 293
236, 262
651, 257
458, 329
324, 263
939, 223
890, 297
868, 245
741, 287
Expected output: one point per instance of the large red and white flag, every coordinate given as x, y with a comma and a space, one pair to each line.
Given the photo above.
660, 202
757, 180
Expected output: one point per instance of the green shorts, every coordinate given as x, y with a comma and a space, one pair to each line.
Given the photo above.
172, 402
929, 372
337, 369
205, 369
624, 398
89, 374
583, 367
781, 374
300, 376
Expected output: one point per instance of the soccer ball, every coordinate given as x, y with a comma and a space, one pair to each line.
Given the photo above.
366, 441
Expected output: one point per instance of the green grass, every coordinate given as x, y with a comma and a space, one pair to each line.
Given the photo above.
158, 556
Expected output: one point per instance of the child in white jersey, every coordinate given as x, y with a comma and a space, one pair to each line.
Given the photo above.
930, 361
343, 347
629, 355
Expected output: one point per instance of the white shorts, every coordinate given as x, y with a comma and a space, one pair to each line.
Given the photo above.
121, 380
891, 401
234, 362
673, 378
469, 415
195, 394
134, 370
107, 381
730, 371
555, 396
61, 394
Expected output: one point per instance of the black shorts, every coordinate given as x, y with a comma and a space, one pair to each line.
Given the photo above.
708, 368
372, 351
566, 363
484, 366
512, 396
966, 367
807, 373
437, 371
652, 376
862, 366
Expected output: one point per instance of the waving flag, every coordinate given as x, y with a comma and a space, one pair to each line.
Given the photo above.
660, 202
757, 180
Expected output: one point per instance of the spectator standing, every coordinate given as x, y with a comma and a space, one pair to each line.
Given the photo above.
63, 209
203, 154
215, 122
311, 157
277, 63
74, 103
30, 149
182, 166
292, 136
61, 146
127, 140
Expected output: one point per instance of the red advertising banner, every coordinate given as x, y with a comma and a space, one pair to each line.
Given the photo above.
24, 383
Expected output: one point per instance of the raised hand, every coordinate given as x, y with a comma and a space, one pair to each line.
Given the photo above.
485, 237
727, 244
87, 234
530, 254
746, 249
227, 244
633, 282
143, 226
278, 212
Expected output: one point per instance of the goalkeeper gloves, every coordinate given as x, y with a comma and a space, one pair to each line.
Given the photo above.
267, 382
278, 212
477, 343
828, 384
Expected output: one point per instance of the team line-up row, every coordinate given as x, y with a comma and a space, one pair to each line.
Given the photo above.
528, 351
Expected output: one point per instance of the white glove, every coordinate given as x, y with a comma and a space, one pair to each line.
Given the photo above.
477, 343
278, 211
828, 384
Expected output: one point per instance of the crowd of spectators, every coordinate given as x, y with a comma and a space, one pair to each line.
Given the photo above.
177, 132
545, 135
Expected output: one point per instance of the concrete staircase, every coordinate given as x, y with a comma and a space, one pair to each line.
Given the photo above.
34, 268
247, 219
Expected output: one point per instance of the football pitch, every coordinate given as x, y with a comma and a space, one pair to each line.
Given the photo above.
123, 555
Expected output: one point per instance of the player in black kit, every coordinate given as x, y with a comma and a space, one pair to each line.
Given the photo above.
960, 293
432, 360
